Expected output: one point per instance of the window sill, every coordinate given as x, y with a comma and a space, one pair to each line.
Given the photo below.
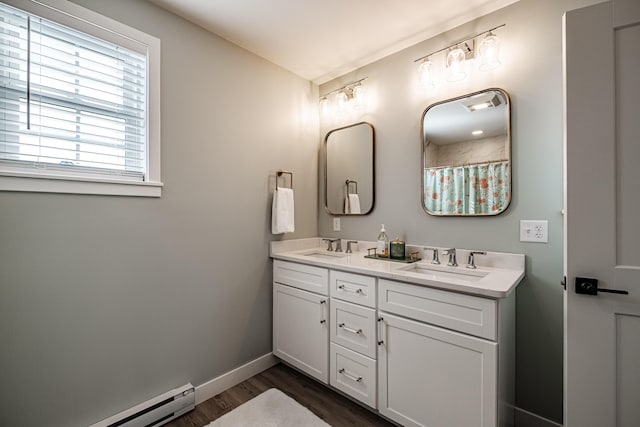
38, 183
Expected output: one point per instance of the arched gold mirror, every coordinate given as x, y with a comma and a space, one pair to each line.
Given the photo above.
466, 155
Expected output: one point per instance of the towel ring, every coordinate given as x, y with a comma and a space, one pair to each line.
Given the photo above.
347, 182
281, 172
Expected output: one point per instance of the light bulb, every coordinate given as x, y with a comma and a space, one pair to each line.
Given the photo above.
425, 73
359, 97
341, 102
489, 52
324, 106
455, 64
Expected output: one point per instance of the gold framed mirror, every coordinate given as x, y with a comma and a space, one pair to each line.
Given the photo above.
349, 170
466, 155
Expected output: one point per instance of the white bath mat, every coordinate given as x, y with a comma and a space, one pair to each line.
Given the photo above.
269, 409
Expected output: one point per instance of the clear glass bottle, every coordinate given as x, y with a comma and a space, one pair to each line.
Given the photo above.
382, 247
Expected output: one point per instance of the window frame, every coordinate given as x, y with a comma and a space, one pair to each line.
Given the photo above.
16, 178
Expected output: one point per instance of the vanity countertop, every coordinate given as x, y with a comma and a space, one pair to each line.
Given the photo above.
496, 276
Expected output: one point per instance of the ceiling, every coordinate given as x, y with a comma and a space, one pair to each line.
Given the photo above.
450, 122
323, 39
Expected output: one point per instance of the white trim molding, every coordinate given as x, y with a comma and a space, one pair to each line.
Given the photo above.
27, 178
223, 382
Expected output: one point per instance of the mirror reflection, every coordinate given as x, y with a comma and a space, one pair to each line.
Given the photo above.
466, 155
349, 170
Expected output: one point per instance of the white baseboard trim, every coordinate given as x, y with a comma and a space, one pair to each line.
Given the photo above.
217, 385
528, 419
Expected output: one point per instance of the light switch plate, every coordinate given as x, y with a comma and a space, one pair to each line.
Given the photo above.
336, 224
534, 231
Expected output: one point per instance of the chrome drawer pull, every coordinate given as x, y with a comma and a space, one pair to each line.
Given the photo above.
351, 377
353, 331
344, 288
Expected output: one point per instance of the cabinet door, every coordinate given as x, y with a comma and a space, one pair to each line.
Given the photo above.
300, 330
429, 376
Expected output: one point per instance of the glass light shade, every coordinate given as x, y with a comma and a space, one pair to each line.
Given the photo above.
425, 73
455, 65
359, 97
341, 102
324, 106
489, 52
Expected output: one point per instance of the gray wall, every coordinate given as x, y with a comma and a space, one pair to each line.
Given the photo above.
108, 301
532, 75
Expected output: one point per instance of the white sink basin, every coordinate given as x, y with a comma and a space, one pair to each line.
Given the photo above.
326, 255
444, 273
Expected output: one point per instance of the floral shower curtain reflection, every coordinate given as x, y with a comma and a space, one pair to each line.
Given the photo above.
472, 189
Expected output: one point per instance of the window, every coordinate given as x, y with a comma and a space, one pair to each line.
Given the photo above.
78, 102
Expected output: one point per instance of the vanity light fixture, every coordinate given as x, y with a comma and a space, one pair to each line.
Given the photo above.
426, 73
455, 65
489, 52
359, 94
352, 95
324, 106
341, 102
477, 132
459, 54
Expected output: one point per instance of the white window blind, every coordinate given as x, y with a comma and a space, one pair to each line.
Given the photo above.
70, 101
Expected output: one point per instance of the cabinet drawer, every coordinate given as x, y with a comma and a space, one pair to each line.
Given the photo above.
353, 327
464, 313
353, 374
353, 287
302, 276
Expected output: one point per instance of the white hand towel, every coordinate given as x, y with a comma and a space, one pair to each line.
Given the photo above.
282, 216
354, 203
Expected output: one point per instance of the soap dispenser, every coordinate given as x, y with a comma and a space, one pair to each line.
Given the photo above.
382, 246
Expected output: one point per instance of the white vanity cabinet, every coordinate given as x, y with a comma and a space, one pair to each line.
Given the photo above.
301, 317
420, 355
444, 359
352, 357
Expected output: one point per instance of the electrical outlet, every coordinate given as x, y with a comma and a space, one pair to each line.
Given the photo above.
534, 231
336, 224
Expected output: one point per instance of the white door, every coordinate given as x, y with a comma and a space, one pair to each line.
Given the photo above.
429, 376
602, 202
300, 330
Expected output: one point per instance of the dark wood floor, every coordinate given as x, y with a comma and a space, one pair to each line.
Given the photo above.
332, 407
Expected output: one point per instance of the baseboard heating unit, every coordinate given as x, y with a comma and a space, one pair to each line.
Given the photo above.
155, 412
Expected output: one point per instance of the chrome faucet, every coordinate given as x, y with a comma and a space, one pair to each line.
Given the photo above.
436, 256
471, 262
452, 257
349, 242
330, 244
